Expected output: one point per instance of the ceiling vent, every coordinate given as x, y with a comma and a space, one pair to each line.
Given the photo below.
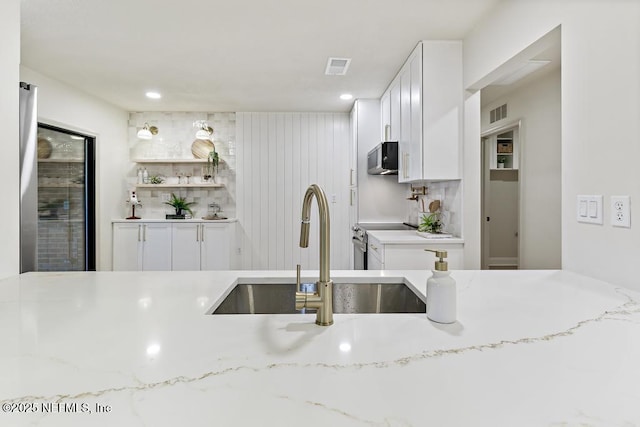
498, 113
337, 66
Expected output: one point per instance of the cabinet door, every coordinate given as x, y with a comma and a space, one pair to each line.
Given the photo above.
156, 247
404, 142
441, 108
385, 114
216, 247
127, 246
373, 262
414, 161
395, 111
185, 246
414, 257
375, 254
353, 148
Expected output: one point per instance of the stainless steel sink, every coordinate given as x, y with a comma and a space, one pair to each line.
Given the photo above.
271, 298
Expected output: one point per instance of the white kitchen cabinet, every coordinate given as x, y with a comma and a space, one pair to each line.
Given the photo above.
430, 98
217, 246
411, 256
414, 257
202, 246
179, 246
395, 109
141, 246
127, 246
185, 246
374, 255
385, 115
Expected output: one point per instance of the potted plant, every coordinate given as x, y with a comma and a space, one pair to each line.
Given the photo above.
501, 161
431, 223
156, 179
179, 204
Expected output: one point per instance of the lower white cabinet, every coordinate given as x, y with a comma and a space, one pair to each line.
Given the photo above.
398, 256
141, 246
173, 246
201, 246
374, 260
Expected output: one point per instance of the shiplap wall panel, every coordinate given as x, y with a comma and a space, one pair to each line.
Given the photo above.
279, 155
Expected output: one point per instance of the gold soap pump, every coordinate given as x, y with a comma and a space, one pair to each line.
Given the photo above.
441, 291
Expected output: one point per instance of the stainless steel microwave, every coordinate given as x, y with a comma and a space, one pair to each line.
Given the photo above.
383, 159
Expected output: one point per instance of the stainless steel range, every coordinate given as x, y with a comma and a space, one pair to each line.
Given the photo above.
360, 240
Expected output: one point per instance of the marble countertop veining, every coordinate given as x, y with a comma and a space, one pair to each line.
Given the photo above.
530, 348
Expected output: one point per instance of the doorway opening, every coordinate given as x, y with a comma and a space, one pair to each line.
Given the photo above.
501, 199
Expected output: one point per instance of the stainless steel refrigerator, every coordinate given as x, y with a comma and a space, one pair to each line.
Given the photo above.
57, 193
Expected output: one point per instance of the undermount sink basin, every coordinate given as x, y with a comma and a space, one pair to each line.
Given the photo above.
269, 298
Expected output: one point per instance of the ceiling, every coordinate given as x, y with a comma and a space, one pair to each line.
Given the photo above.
236, 55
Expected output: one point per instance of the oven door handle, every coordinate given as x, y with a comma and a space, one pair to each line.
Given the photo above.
359, 243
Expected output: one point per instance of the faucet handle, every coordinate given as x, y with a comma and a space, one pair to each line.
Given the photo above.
298, 278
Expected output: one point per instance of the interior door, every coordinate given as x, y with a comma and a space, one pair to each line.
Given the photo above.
500, 209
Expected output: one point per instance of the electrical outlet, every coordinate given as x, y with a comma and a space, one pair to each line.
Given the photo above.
620, 211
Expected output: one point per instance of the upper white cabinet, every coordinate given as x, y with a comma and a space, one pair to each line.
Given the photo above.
385, 116
426, 99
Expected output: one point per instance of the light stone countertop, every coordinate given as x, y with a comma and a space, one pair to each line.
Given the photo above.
198, 220
530, 348
410, 237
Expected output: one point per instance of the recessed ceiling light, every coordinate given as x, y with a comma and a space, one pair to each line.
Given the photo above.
346, 96
153, 95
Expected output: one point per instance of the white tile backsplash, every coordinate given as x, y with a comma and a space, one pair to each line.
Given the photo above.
173, 142
449, 194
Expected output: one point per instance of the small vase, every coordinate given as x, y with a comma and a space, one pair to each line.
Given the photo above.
500, 165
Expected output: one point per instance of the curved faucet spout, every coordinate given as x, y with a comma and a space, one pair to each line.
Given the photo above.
323, 207
323, 300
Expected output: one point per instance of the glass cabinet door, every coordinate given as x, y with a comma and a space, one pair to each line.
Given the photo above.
66, 200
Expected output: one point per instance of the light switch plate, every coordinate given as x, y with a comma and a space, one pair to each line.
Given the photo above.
589, 209
620, 211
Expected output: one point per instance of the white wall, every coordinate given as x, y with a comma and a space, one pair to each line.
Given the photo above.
537, 105
9, 116
278, 156
380, 197
600, 110
64, 106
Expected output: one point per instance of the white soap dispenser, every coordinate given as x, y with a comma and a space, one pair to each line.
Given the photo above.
441, 292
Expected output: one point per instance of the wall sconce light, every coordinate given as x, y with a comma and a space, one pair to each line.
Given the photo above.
204, 130
147, 131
